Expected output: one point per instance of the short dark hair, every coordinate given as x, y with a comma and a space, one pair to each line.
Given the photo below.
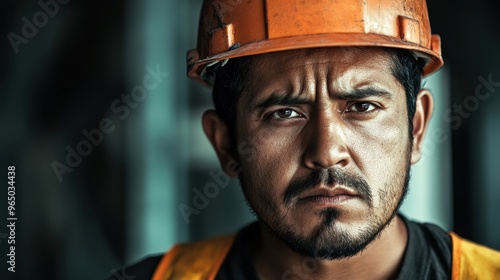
230, 82
231, 79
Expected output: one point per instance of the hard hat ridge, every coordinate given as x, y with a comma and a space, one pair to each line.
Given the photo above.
261, 26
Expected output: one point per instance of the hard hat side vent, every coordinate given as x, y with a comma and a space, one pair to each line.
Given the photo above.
409, 29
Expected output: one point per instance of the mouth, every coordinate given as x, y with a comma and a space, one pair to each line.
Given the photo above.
328, 196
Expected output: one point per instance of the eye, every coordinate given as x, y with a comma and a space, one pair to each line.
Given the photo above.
362, 107
285, 114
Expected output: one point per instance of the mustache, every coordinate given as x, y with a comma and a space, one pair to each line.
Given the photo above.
327, 177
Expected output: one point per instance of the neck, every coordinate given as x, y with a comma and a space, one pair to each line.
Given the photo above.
381, 259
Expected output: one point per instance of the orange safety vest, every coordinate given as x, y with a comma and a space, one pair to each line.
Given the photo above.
202, 260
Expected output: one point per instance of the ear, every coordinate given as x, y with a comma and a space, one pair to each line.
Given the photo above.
217, 133
423, 113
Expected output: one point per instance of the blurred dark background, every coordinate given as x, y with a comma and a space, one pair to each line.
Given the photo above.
72, 71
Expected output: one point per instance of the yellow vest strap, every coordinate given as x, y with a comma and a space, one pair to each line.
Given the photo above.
202, 260
194, 261
473, 261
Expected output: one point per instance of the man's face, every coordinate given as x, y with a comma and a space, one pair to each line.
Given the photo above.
323, 146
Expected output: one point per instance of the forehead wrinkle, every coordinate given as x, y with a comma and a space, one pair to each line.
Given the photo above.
280, 82
313, 77
323, 78
308, 81
304, 71
359, 77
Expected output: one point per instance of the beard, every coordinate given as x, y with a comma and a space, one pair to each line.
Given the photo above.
328, 240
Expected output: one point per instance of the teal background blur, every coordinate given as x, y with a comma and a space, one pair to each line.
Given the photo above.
122, 201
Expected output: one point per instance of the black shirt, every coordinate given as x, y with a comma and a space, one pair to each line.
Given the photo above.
427, 256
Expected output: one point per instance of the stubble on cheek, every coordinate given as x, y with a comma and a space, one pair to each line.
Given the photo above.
265, 177
382, 151
391, 169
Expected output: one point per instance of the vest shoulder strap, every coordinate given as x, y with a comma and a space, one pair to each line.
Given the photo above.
473, 261
194, 261
202, 260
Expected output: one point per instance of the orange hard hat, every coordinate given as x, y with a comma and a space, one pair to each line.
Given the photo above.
236, 28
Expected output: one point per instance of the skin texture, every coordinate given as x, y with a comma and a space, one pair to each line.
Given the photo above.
324, 155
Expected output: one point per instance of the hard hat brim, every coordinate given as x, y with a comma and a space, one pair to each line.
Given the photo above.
431, 54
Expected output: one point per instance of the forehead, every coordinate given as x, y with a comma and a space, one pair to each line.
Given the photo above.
341, 68
335, 54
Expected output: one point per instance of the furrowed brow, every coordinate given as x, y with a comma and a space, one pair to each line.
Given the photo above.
364, 93
279, 99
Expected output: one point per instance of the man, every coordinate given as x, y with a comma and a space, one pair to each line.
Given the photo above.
320, 114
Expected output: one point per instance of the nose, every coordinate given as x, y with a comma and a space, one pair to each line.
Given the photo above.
326, 142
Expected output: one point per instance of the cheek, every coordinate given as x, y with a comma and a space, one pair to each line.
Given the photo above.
380, 149
273, 158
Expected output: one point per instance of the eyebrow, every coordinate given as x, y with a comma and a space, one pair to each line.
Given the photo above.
361, 93
283, 99
279, 99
